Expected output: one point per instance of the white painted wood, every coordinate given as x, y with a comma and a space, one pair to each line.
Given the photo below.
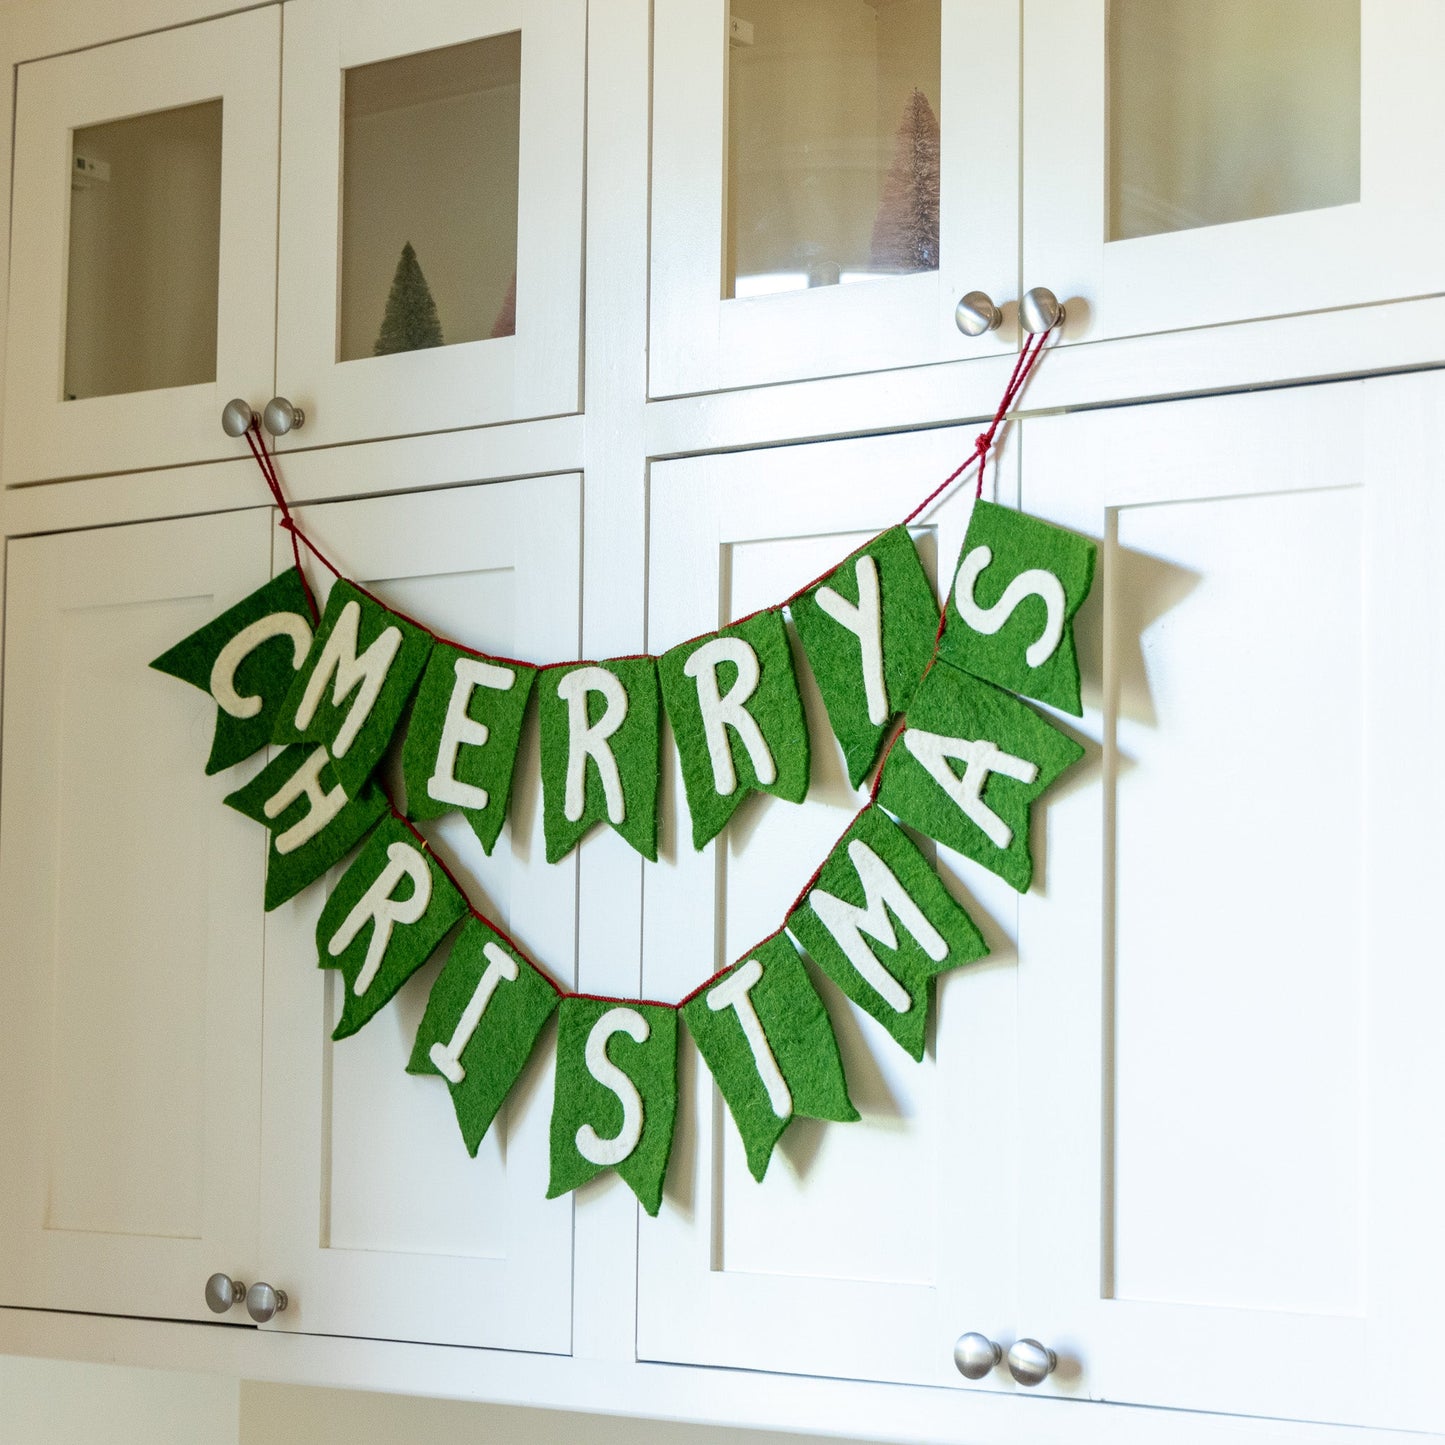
1224, 1024
700, 342
1387, 245
237, 59
534, 373
130, 1058
374, 1218
868, 1248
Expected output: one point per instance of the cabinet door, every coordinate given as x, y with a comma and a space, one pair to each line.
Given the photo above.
130, 1041
143, 248
374, 1217
1229, 985
870, 1247
829, 179
1191, 163
431, 214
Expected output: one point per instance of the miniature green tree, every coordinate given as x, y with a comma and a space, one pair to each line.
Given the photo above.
411, 320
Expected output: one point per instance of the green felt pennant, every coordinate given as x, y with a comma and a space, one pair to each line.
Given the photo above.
486, 1011
611, 773
619, 1105
246, 660
881, 925
769, 1043
1019, 582
462, 740
351, 690
766, 718
967, 767
868, 629
384, 919
313, 823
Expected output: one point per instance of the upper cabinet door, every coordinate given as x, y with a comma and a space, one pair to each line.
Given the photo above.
1191, 163
431, 229
143, 260
830, 177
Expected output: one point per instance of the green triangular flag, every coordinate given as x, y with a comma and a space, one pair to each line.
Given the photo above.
246, 660
352, 688
384, 919
616, 1094
486, 1011
868, 629
732, 699
968, 765
881, 925
313, 824
1019, 583
600, 726
769, 1043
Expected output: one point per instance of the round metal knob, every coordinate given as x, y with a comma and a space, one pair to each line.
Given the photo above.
223, 1292
237, 417
976, 314
280, 417
1039, 310
264, 1300
975, 1355
1029, 1362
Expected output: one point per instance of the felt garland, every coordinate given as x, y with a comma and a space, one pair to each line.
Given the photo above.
965, 769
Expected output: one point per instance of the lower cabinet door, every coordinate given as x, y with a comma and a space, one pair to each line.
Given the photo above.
374, 1218
130, 933
868, 1247
1230, 993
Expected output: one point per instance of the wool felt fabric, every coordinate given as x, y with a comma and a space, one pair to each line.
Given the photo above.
376, 692
911, 950
1022, 618
955, 713
408, 940
774, 705
289, 870
480, 744
259, 677
909, 615
580, 1100
635, 745
798, 1037
493, 1045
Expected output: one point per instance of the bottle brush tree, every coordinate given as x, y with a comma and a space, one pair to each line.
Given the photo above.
905, 231
411, 320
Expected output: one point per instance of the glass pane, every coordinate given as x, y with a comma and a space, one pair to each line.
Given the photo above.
429, 199
145, 252
1228, 110
833, 143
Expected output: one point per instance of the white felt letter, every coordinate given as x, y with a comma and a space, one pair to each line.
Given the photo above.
585, 742
864, 619
459, 729
848, 923
1033, 583
377, 905
305, 781
368, 672
590, 1145
447, 1057
721, 713
733, 992
980, 758
245, 642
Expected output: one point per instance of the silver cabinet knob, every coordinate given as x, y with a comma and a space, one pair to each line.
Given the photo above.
1039, 310
237, 417
1029, 1362
976, 314
280, 417
975, 1355
223, 1292
264, 1300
